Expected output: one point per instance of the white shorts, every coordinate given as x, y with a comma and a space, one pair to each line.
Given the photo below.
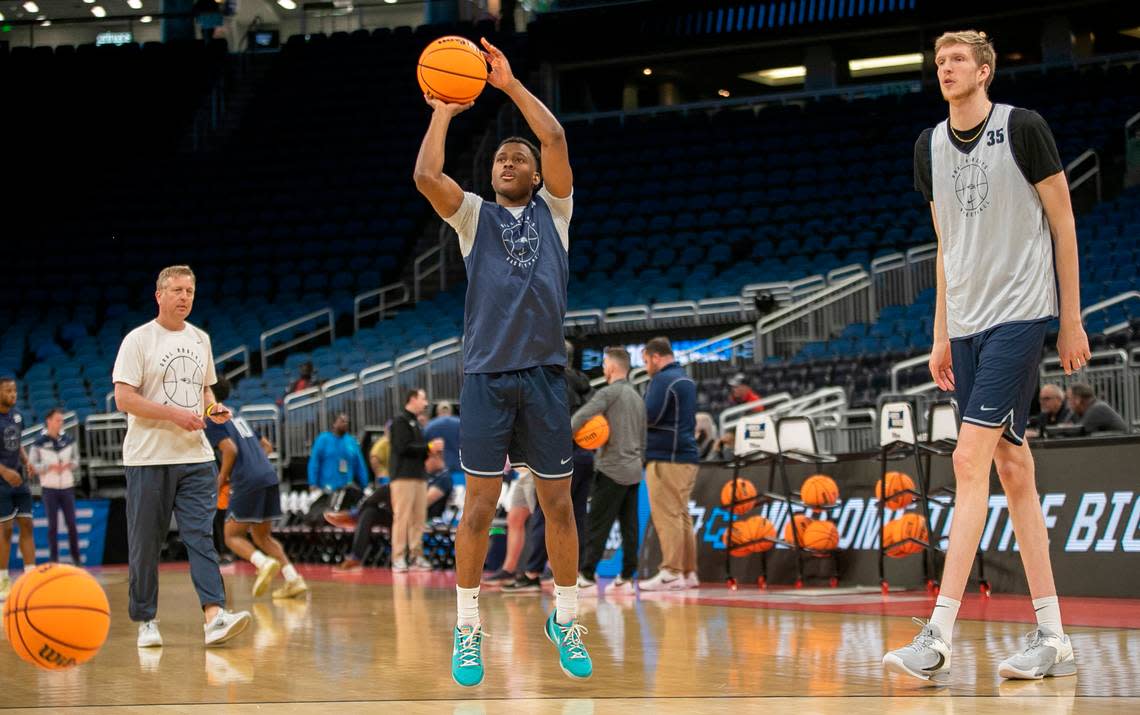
522, 492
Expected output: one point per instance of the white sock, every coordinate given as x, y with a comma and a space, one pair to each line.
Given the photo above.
565, 603
290, 573
1049, 613
467, 601
3, 573
945, 613
258, 559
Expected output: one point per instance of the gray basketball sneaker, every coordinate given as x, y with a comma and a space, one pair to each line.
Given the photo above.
1046, 654
927, 657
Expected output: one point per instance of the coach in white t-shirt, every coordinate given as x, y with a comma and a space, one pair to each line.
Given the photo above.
162, 376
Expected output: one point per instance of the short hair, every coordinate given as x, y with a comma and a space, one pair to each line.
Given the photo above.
1053, 389
52, 413
443, 408
619, 355
6, 379
414, 392
222, 388
534, 150
173, 272
1082, 390
980, 44
659, 346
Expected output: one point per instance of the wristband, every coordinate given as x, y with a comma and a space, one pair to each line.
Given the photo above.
211, 408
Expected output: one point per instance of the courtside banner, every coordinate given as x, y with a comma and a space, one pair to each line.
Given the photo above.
1089, 491
91, 520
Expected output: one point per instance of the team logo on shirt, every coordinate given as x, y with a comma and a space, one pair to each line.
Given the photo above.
182, 378
11, 438
972, 186
521, 239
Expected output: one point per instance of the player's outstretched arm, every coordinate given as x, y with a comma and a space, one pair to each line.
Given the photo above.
556, 174
1072, 342
439, 188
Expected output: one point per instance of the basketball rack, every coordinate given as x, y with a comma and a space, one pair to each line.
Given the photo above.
898, 439
761, 439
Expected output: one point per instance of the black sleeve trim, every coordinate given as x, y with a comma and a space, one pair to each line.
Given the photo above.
1033, 146
923, 170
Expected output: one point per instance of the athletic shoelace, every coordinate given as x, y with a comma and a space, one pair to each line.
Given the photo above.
469, 646
572, 640
925, 637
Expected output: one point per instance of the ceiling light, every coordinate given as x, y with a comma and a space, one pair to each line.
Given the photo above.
134, 4
145, 19
1131, 32
45, 23
89, 2
869, 66
777, 76
724, 93
30, 6
287, 4
1, 17
98, 11
647, 71
390, 2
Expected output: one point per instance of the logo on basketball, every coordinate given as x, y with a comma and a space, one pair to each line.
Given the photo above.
972, 187
521, 241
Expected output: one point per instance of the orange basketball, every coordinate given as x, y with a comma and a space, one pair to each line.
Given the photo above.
800, 522
896, 482
910, 526
453, 69
224, 497
763, 529
57, 616
745, 495
821, 536
594, 433
819, 490
742, 532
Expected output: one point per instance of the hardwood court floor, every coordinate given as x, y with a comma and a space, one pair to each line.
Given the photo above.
377, 643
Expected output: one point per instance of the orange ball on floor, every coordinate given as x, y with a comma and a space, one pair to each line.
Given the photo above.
56, 616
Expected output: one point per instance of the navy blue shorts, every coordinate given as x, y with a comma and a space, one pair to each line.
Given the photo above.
256, 505
523, 414
995, 375
15, 503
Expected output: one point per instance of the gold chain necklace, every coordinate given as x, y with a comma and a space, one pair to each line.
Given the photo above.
980, 129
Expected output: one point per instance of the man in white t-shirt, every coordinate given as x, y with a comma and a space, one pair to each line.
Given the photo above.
162, 377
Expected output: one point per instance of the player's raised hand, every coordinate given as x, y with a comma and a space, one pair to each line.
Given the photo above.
448, 108
501, 74
1073, 347
187, 419
941, 365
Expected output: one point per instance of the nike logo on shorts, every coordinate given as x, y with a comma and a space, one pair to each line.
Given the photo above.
567, 460
987, 409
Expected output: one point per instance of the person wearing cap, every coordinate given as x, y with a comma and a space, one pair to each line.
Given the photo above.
741, 393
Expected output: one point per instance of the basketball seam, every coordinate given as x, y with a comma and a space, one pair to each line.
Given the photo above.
57, 640
16, 622
453, 72
73, 608
65, 574
434, 93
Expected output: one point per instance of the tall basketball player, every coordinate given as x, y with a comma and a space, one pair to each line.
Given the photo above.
514, 393
1001, 209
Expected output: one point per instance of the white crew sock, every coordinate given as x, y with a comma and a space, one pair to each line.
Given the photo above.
290, 573
258, 559
1049, 613
565, 604
945, 613
467, 601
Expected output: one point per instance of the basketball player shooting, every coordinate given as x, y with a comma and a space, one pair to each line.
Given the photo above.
514, 392
1001, 209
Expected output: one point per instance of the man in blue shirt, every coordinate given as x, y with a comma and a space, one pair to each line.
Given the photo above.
255, 500
445, 426
15, 496
513, 399
336, 460
672, 461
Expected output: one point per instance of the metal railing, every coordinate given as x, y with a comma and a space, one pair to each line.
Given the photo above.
323, 317
303, 421
828, 400
103, 455
817, 317
445, 378
1090, 173
433, 260
241, 353
266, 419
1108, 303
341, 395
907, 364
1134, 384
387, 297
376, 395
847, 431
1110, 374
732, 415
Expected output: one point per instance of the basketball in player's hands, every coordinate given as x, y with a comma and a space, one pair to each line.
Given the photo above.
452, 69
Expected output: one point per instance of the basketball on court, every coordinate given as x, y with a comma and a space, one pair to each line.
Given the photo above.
594, 434
821, 536
744, 496
897, 484
453, 69
799, 523
57, 616
819, 490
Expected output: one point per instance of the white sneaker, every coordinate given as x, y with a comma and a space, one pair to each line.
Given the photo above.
421, 564
665, 580
225, 626
400, 566
621, 587
927, 657
587, 586
265, 575
691, 580
149, 637
1046, 654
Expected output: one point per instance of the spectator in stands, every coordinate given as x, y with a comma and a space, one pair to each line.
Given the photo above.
254, 502
163, 376
376, 510
705, 434
55, 456
725, 448
409, 490
381, 454
15, 494
741, 393
304, 381
445, 426
671, 471
336, 460
617, 471
1054, 410
1094, 415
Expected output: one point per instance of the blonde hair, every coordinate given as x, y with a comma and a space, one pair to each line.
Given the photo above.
980, 45
173, 272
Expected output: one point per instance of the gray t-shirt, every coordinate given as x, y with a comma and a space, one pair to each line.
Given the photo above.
622, 456
1100, 417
